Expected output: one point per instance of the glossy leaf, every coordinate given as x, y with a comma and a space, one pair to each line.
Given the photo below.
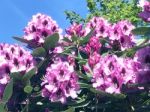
8, 91
51, 41
74, 38
2, 109
71, 109
21, 40
16, 76
141, 31
66, 39
29, 75
104, 94
39, 52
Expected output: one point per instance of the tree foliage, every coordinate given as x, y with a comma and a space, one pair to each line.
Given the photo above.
112, 10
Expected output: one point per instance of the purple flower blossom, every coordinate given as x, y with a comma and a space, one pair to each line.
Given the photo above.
121, 33
143, 76
92, 46
60, 82
94, 59
13, 59
145, 14
101, 27
143, 56
75, 29
112, 72
39, 28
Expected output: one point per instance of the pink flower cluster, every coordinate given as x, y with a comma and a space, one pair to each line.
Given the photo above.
93, 45
100, 25
39, 28
118, 34
13, 59
121, 33
75, 29
94, 59
145, 14
60, 82
112, 72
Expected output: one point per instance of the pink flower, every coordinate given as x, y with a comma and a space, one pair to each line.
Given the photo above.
93, 45
39, 28
60, 82
75, 29
143, 76
121, 33
94, 59
112, 72
58, 49
143, 57
101, 26
145, 14
13, 59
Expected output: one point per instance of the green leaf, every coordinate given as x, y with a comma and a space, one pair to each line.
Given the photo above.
71, 109
84, 85
85, 39
51, 41
74, 38
83, 76
2, 109
82, 62
83, 55
104, 94
67, 50
141, 41
104, 40
8, 91
29, 75
141, 31
21, 40
39, 52
81, 104
66, 39
16, 76
28, 89
41, 63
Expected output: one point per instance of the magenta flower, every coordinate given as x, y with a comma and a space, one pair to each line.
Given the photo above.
112, 72
94, 59
121, 33
144, 59
75, 29
13, 59
145, 14
92, 46
19, 60
101, 27
39, 28
143, 76
60, 82
143, 56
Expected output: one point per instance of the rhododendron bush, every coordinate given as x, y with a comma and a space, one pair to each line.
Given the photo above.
95, 67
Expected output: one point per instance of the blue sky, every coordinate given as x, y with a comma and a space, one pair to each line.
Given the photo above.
15, 14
